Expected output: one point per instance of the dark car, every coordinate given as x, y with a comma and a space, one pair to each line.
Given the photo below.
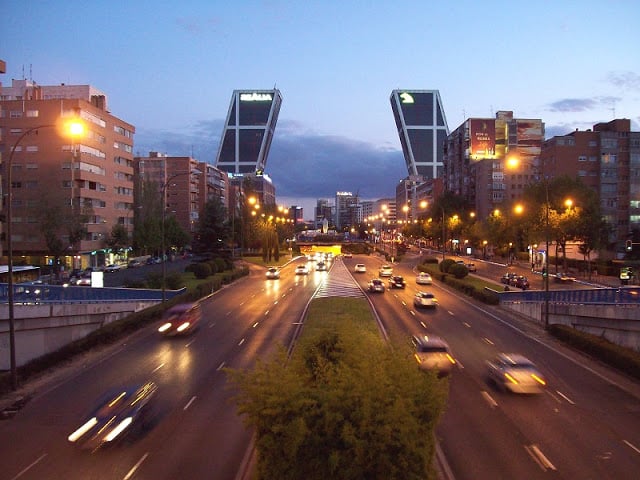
521, 282
117, 413
507, 278
397, 281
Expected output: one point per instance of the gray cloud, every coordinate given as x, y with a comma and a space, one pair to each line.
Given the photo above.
625, 80
573, 105
301, 163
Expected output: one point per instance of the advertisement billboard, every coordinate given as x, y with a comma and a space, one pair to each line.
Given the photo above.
482, 134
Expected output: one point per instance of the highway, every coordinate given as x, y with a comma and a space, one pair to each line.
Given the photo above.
585, 425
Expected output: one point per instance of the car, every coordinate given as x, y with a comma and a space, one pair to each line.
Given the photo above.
302, 269
423, 278
386, 271
375, 285
134, 263
115, 415
471, 267
180, 319
561, 277
515, 373
273, 273
507, 278
321, 267
347, 255
83, 281
521, 282
425, 299
114, 267
397, 281
433, 354
360, 268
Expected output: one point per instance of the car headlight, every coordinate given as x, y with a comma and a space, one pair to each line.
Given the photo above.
121, 427
83, 429
164, 327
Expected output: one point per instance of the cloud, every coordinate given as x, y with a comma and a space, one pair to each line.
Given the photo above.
573, 105
301, 163
625, 80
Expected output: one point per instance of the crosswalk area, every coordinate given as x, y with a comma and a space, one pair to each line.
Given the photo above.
338, 283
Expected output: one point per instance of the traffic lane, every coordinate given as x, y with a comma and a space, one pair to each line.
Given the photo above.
170, 361
554, 420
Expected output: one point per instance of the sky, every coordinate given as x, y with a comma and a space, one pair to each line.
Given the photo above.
170, 68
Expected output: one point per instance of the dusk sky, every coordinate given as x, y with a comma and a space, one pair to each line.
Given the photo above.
169, 68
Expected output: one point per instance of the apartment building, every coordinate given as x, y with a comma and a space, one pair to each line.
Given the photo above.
56, 177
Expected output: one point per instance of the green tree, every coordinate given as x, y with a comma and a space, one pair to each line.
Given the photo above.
118, 239
213, 230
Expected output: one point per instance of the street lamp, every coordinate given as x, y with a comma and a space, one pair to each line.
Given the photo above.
74, 128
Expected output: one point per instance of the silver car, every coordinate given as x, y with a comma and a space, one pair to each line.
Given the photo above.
423, 278
515, 373
376, 286
433, 353
425, 299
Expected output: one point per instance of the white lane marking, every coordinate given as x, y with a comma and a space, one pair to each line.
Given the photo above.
135, 467
630, 445
423, 324
488, 341
228, 313
404, 303
211, 325
266, 313
193, 399
189, 344
220, 367
255, 324
157, 368
412, 313
565, 397
489, 399
466, 324
276, 302
451, 313
29, 467
241, 342
537, 455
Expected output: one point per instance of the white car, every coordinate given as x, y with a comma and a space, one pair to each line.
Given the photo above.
515, 373
360, 268
273, 273
302, 270
114, 267
423, 278
433, 353
425, 299
386, 271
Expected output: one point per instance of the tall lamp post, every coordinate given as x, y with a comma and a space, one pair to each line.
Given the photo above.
76, 129
444, 235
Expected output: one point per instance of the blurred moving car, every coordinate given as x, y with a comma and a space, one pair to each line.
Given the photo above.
134, 263
347, 255
471, 267
321, 267
375, 285
180, 319
425, 299
397, 281
423, 278
561, 277
302, 269
385, 271
273, 273
360, 268
515, 373
114, 267
433, 353
115, 415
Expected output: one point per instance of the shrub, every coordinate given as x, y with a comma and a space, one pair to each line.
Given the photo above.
221, 264
445, 264
174, 281
458, 270
202, 270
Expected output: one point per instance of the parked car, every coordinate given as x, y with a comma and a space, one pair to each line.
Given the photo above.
114, 267
521, 282
386, 271
180, 319
375, 285
273, 273
423, 278
507, 278
433, 353
302, 269
425, 299
115, 415
134, 263
360, 268
397, 281
515, 373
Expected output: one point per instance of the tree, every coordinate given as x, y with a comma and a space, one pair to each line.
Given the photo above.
118, 239
213, 230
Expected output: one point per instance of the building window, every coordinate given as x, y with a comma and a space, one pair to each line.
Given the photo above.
582, 158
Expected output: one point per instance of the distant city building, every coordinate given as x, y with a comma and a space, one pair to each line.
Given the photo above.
179, 178
476, 154
347, 210
422, 128
248, 131
324, 210
93, 173
606, 159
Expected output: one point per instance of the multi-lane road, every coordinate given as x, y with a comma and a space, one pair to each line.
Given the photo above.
586, 424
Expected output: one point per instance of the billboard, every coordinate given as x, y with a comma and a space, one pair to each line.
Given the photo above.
482, 134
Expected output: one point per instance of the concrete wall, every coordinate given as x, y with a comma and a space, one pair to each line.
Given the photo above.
618, 323
42, 329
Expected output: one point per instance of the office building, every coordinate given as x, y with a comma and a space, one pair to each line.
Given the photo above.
607, 159
54, 176
475, 160
347, 210
422, 128
248, 131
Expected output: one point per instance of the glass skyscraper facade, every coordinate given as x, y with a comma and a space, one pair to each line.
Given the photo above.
248, 131
422, 128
